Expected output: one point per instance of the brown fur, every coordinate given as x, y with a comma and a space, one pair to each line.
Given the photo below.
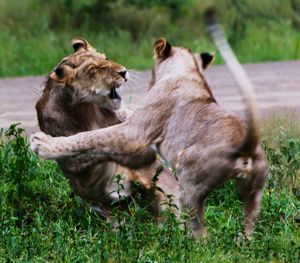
75, 100
192, 132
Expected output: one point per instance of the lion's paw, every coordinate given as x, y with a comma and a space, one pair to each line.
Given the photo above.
44, 145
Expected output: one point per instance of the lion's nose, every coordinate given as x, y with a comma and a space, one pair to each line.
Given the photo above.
123, 74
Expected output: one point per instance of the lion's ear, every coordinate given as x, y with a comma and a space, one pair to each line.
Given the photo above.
162, 48
207, 58
79, 43
62, 74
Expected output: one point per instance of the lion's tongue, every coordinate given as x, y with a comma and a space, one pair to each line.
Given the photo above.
114, 94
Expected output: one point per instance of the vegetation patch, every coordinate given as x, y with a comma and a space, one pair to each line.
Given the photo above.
42, 220
36, 34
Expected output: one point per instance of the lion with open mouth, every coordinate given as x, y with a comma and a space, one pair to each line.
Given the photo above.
201, 140
81, 95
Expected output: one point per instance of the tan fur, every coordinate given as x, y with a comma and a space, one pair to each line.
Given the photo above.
76, 98
192, 132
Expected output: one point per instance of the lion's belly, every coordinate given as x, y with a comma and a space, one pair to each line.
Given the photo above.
93, 183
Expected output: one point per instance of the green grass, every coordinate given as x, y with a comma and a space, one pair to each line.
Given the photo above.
42, 221
35, 34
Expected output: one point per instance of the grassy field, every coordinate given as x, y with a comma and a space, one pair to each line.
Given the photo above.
40, 218
42, 221
35, 34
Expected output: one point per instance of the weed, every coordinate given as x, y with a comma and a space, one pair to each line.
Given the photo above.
259, 30
41, 220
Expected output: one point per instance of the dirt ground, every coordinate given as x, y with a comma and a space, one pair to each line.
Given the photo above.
277, 86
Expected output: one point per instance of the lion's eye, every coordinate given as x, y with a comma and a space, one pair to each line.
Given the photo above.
106, 58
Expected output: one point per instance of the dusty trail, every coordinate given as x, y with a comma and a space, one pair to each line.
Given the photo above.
277, 86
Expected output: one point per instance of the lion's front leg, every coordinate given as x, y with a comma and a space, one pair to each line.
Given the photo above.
124, 114
116, 143
54, 148
49, 147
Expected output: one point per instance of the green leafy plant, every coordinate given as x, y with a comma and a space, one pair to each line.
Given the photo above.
259, 30
42, 220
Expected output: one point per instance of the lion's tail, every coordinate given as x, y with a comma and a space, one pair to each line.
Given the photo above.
248, 146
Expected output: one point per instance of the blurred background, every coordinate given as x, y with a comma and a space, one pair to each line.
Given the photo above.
36, 34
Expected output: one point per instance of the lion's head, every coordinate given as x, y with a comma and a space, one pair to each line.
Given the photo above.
170, 60
91, 75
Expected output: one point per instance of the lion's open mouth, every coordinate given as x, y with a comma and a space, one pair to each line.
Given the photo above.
114, 94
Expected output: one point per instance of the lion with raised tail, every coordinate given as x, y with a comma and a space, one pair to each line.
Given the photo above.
204, 143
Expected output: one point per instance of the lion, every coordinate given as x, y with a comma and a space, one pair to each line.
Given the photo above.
204, 143
81, 95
